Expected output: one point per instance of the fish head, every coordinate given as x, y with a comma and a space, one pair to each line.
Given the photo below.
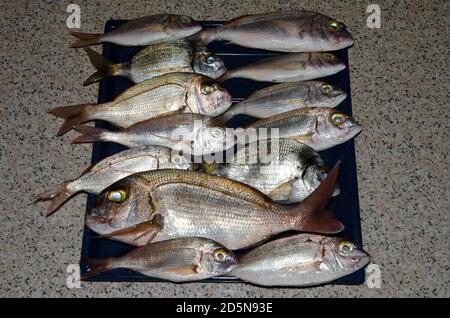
211, 137
331, 34
217, 259
207, 97
207, 63
182, 25
120, 206
342, 256
333, 128
326, 95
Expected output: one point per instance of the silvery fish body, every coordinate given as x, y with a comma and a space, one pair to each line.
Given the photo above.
281, 98
159, 59
112, 169
289, 68
285, 170
301, 260
318, 127
177, 260
166, 204
288, 31
166, 94
146, 30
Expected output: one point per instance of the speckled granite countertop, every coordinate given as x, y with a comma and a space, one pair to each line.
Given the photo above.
400, 93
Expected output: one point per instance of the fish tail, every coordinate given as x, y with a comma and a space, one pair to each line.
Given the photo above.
97, 266
90, 134
85, 39
315, 216
225, 77
105, 68
225, 117
73, 115
203, 37
58, 196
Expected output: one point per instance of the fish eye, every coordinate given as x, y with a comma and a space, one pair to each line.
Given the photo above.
185, 19
333, 25
338, 119
220, 255
208, 89
210, 59
326, 88
217, 133
117, 195
328, 56
345, 247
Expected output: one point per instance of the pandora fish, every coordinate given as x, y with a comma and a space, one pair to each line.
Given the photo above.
281, 98
111, 169
301, 260
158, 59
166, 94
177, 260
289, 68
166, 204
288, 31
143, 31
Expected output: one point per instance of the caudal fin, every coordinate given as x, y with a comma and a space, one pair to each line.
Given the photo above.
316, 217
224, 77
85, 39
97, 266
89, 134
73, 115
58, 196
105, 67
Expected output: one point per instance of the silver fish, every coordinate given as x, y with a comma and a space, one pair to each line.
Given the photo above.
288, 68
192, 134
288, 31
320, 128
162, 95
301, 260
281, 98
285, 170
177, 260
143, 31
158, 59
166, 204
110, 170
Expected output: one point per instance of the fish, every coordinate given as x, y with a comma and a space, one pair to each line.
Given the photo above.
290, 67
146, 30
281, 98
192, 134
285, 170
110, 170
178, 260
301, 260
285, 31
166, 204
156, 60
320, 128
166, 94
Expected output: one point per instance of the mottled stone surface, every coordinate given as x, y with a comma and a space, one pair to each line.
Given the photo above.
400, 92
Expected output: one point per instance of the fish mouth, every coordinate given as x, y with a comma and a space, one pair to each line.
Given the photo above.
339, 99
360, 260
95, 219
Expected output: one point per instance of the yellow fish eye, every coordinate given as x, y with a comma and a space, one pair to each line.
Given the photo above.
185, 19
333, 25
338, 119
220, 255
326, 88
208, 89
345, 247
328, 56
117, 195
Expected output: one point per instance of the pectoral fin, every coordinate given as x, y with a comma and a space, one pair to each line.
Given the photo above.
283, 192
183, 270
303, 137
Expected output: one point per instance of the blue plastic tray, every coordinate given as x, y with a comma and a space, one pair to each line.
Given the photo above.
345, 206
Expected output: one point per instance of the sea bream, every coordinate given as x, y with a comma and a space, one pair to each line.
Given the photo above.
178, 260
281, 98
301, 260
162, 95
166, 204
288, 68
146, 30
159, 59
110, 170
287, 31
